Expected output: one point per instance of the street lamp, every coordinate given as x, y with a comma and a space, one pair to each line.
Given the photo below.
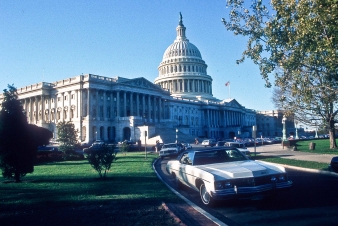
254, 130
284, 130
296, 131
176, 136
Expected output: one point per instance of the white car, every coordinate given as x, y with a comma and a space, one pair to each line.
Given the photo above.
209, 142
171, 149
187, 145
225, 173
239, 146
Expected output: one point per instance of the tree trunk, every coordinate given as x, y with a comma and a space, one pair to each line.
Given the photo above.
333, 144
17, 177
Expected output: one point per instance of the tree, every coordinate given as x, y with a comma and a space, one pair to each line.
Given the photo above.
297, 43
101, 158
19, 140
67, 136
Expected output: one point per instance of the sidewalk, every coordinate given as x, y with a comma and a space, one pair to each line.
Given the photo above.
277, 150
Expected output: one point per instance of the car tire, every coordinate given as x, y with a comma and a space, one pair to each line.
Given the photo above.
205, 196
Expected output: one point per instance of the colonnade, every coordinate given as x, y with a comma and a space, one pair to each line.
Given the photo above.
215, 118
187, 85
96, 104
106, 104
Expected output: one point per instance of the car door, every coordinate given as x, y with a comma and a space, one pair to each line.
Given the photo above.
187, 170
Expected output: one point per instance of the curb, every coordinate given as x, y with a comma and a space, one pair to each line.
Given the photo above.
197, 208
176, 219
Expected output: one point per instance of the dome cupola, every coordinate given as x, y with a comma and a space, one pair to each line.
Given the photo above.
183, 71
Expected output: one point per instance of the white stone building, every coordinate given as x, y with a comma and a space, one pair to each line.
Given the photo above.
116, 109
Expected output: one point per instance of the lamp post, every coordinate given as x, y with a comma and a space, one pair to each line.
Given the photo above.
96, 135
296, 131
176, 136
284, 130
254, 130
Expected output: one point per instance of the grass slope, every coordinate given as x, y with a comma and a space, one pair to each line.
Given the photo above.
66, 193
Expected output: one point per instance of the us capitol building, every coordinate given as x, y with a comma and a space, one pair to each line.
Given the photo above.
179, 103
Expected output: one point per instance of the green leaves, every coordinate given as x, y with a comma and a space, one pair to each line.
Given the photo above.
67, 136
298, 44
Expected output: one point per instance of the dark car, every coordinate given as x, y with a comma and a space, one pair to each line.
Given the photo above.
220, 143
334, 164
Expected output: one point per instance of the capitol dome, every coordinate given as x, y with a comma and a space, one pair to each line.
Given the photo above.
183, 71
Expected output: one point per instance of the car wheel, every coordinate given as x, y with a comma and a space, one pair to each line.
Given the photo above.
205, 196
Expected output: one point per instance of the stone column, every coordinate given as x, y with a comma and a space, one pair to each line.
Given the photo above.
104, 105
88, 107
131, 105
143, 106
160, 109
69, 105
124, 104
137, 104
118, 104
149, 109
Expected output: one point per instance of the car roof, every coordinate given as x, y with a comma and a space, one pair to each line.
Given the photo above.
210, 149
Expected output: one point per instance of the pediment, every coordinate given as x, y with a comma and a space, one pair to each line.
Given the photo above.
232, 103
142, 83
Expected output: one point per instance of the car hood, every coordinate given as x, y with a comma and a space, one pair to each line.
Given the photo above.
241, 169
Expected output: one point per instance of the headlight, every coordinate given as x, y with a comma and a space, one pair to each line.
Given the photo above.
281, 178
222, 184
227, 184
218, 185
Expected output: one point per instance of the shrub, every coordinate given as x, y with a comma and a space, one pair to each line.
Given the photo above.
101, 159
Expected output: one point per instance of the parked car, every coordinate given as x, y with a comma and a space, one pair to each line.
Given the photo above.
220, 143
186, 146
170, 150
209, 142
97, 146
239, 146
334, 164
225, 173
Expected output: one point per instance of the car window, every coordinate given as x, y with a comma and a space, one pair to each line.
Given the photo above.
218, 156
185, 159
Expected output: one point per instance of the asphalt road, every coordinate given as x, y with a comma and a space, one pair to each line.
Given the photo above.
313, 200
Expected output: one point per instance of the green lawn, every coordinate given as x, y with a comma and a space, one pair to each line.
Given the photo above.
71, 193
322, 147
293, 162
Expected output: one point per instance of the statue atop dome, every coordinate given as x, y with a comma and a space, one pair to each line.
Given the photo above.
181, 21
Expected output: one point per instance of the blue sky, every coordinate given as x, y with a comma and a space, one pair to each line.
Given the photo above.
51, 40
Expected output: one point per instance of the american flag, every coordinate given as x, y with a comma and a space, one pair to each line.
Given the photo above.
228, 83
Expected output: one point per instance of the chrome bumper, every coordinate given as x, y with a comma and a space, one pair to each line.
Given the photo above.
248, 191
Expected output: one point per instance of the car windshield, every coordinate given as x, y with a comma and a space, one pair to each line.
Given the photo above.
218, 156
169, 146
